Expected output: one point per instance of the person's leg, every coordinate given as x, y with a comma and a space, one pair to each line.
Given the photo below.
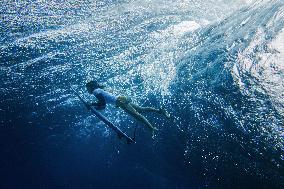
149, 109
141, 109
132, 111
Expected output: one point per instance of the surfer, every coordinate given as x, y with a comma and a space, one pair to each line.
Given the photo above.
104, 97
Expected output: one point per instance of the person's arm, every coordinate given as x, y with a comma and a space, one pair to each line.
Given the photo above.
100, 104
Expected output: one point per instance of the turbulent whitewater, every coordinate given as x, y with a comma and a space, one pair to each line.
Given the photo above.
216, 66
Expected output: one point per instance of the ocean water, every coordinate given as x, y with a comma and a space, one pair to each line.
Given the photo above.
216, 66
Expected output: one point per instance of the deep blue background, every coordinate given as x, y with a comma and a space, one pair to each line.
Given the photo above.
222, 134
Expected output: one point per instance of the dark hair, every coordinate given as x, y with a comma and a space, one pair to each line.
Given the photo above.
93, 84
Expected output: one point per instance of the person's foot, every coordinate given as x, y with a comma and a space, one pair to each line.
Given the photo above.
165, 113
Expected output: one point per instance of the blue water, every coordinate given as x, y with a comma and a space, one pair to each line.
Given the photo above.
215, 66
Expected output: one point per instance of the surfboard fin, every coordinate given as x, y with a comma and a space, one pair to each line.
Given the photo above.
120, 136
129, 141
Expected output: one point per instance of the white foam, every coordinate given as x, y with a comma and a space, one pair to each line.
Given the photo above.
278, 45
185, 26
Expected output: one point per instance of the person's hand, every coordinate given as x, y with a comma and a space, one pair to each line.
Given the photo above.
99, 107
88, 106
